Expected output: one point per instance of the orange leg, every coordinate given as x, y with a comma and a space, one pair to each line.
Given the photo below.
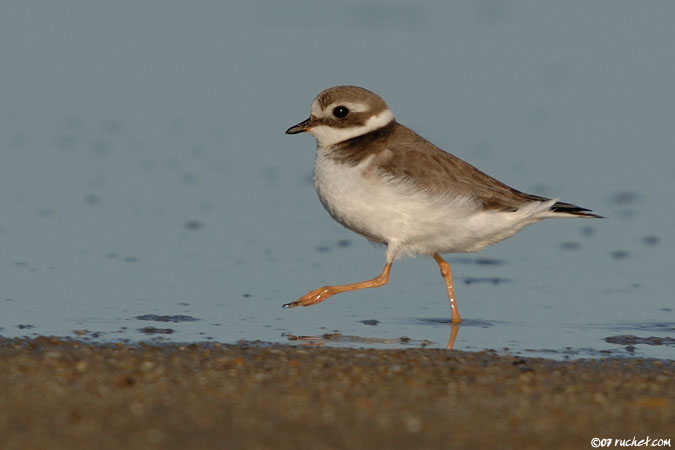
323, 293
447, 275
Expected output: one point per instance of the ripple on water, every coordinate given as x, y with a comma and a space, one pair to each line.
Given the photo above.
629, 339
446, 321
167, 318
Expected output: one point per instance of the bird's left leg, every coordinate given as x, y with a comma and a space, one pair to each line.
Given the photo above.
447, 275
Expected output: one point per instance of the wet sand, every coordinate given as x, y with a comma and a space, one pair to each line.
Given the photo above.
60, 394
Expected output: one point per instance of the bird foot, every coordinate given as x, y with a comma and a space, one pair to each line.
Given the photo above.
312, 297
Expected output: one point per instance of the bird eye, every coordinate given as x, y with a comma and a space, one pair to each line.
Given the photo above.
340, 112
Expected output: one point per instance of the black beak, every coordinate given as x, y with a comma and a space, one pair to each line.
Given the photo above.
302, 127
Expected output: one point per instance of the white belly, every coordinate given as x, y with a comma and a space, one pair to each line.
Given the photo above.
407, 219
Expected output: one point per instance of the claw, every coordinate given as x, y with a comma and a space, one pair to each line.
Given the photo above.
289, 305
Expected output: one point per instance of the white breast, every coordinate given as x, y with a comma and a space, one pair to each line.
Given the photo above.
409, 220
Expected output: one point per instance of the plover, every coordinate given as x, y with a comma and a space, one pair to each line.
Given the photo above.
385, 182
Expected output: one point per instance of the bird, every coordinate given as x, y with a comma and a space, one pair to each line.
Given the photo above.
383, 181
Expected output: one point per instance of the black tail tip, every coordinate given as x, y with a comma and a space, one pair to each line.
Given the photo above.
574, 210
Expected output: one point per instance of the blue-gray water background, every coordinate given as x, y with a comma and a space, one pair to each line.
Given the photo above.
144, 169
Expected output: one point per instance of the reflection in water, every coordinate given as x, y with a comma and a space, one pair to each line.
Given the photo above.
454, 329
337, 337
342, 338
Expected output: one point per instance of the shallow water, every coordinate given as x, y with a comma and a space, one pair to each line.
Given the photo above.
147, 191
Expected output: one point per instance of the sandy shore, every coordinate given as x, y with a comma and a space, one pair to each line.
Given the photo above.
61, 394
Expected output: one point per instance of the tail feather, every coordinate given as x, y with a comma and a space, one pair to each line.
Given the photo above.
566, 208
574, 210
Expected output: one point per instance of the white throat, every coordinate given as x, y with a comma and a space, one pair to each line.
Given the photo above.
327, 136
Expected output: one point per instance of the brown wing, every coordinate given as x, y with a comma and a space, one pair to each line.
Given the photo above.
435, 170
413, 156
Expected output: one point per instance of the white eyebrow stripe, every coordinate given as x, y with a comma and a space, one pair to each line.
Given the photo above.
351, 106
356, 107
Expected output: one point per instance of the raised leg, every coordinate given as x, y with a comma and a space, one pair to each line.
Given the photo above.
323, 293
447, 275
